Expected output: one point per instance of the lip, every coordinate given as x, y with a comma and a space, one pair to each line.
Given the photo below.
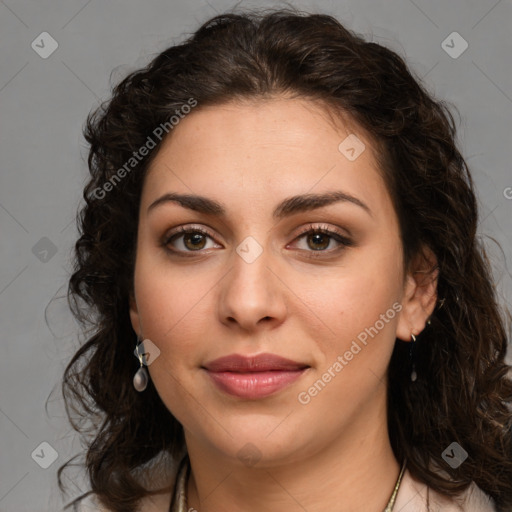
253, 377
259, 363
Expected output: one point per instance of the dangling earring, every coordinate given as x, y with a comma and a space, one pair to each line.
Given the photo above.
141, 378
414, 375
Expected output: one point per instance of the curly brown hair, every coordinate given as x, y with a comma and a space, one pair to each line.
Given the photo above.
462, 392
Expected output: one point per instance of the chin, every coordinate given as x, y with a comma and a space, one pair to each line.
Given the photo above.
261, 442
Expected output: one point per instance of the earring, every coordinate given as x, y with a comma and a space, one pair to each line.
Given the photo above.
414, 375
141, 378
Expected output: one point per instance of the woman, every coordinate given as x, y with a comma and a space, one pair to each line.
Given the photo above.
291, 309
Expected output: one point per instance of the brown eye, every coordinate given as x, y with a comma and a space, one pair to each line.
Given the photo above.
196, 240
318, 239
186, 240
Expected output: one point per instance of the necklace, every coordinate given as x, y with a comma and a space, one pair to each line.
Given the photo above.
391, 503
180, 504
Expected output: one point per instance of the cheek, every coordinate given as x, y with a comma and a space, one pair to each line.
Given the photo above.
171, 312
169, 296
358, 312
359, 293
362, 314
172, 316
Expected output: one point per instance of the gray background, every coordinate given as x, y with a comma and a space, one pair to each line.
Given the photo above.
44, 103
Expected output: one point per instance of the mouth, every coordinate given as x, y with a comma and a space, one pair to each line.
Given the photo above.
253, 377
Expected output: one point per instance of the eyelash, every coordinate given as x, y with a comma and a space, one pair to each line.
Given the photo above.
311, 229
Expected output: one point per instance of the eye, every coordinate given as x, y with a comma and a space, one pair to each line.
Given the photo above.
319, 238
193, 239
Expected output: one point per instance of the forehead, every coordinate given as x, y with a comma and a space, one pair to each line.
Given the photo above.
279, 146
259, 122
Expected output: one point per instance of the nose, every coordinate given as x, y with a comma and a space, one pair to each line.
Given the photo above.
252, 295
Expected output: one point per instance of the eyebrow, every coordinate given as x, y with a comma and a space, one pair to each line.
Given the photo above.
286, 208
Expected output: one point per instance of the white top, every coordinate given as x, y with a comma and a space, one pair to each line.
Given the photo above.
412, 497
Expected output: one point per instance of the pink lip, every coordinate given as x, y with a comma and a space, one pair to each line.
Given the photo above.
253, 377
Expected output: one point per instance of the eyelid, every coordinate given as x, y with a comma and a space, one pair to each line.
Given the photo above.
344, 241
323, 228
183, 230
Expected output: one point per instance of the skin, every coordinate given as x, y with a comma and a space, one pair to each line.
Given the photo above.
334, 452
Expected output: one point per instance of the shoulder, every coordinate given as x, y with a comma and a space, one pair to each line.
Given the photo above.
156, 503
157, 476
412, 497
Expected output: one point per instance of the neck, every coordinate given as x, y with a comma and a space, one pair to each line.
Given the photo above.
357, 473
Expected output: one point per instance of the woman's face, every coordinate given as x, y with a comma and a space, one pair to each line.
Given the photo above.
248, 281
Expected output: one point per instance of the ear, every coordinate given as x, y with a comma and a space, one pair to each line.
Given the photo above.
420, 294
134, 315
